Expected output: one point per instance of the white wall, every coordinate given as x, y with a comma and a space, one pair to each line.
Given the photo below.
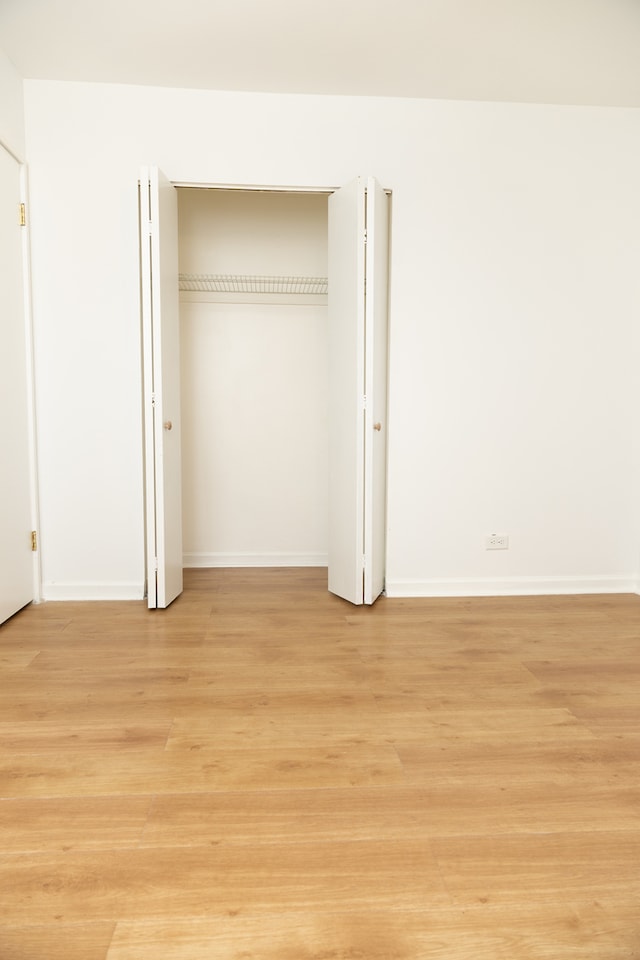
11, 108
513, 314
252, 232
254, 383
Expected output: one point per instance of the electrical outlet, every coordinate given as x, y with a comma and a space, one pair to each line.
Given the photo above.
497, 541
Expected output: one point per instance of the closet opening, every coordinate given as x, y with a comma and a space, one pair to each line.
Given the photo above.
254, 377
283, 461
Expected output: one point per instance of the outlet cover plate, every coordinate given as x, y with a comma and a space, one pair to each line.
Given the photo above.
497, 541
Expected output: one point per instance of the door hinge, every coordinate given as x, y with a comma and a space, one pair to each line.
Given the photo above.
155, 564
34, 540
364, 561
22, 215
365, 236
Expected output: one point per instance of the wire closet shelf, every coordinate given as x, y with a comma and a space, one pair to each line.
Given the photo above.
242, 283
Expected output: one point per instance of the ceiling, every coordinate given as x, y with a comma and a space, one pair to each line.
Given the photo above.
545, 51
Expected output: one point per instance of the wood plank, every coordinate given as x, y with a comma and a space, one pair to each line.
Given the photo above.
403, 723
143, 772
16, 656
59, 941
390, 812
541, 867
587, 763
42, 736
47, 824
572, 931
219, 881
280, 725
615, 721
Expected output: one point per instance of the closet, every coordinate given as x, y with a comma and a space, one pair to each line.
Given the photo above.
253, 346
284, 454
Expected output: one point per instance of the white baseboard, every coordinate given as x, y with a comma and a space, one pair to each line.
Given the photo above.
507, 587
92, 591
255, 560
511, 586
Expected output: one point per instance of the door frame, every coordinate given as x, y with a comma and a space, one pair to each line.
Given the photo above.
291, 189
32, 433
34, 483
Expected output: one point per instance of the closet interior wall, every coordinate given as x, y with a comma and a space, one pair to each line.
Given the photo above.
254, 379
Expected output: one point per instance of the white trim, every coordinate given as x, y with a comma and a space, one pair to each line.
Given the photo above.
148, 418
31, 384
255, 560
511, 586
258, 188
93, 591
251, 187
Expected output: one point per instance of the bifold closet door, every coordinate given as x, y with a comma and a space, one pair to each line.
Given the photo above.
357, 313
16, 557
161, 347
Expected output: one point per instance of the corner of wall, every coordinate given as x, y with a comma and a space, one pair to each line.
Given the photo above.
12, 127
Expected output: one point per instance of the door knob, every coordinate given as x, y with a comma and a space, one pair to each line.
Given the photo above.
167, 425
377, 426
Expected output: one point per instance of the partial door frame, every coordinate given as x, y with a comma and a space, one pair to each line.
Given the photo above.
33, 477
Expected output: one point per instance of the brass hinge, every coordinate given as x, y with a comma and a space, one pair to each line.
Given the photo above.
34, 540
23, 215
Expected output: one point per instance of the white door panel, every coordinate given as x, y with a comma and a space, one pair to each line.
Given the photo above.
346, 321
16, 557
375, 428
161, 335
357, 310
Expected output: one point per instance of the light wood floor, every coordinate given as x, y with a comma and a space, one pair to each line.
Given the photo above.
264, 772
